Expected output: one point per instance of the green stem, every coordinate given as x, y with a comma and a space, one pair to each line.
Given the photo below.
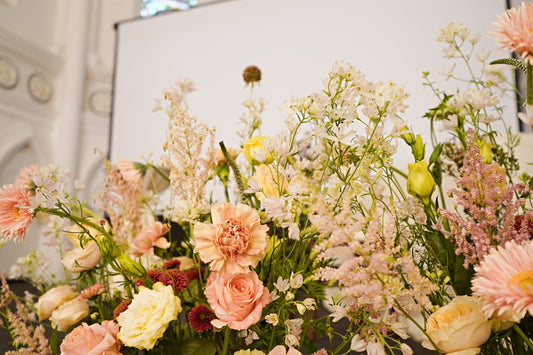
163, 175
226, 341
529, 85
523, 336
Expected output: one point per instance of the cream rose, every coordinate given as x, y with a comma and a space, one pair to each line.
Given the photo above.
237, 299
52, 299
69, 314
82, 259
147, 317
460, 326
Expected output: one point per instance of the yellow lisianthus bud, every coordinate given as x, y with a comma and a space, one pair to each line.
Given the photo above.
254, 146
420, 182
418, 148
485, 150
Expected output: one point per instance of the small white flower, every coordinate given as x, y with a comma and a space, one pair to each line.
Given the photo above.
338, 313
301, 308
310, 304
289, 296
272, 318
400, 329
296, 280
282, 284
406, 349
274, 295
291, 340
358, 344
375, 349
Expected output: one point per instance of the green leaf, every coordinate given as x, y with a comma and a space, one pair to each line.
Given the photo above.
194, 346
512, 61
436, 153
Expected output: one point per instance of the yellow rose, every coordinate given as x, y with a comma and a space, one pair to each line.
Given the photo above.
419, 181
461, 325
81, 259
254, 146
263, 177
52, 299
69, 314
147, 317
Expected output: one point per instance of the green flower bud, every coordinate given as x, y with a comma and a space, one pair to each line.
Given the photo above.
420, 182
130, 266
418, 148
408, 137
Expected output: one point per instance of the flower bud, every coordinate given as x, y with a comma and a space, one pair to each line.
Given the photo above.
420, 182
254, 146
418, 148
130, 266
408, 137
251, 74
485, 150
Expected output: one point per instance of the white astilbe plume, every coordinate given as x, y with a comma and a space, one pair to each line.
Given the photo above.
191, 157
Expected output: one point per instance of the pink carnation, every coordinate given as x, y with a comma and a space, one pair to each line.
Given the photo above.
94, 339
149, 237
15, 212
236, 299
234, 241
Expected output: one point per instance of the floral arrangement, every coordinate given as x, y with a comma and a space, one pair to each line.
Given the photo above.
313, 226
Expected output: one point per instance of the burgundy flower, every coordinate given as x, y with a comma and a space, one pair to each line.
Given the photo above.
172, 264
200, 318
176, 278
121, 308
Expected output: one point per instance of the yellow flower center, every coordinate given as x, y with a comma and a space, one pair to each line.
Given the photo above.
16, 212
523, 279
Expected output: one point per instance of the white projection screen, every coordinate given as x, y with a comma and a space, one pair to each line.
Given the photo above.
295, 43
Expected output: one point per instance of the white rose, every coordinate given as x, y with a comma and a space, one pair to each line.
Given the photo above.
81, 259
69, 314
459, 327
52, 299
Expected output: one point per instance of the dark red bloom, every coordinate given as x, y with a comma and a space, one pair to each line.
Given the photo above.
121, 308
200, 318
172, 264
176, 278
194, 273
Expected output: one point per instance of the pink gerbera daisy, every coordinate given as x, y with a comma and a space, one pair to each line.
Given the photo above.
15, 212
515, 30
505, 280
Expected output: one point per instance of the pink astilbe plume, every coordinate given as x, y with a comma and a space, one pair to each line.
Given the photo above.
190, 155
504, 280
515, 30
488, 206
372, 277
28, 338
120, 202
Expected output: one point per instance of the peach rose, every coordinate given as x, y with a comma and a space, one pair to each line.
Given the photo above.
280, 350
237, 299
94, 339
149, 237
459, 326
52, 299
82, 259
69, 314
234, 241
